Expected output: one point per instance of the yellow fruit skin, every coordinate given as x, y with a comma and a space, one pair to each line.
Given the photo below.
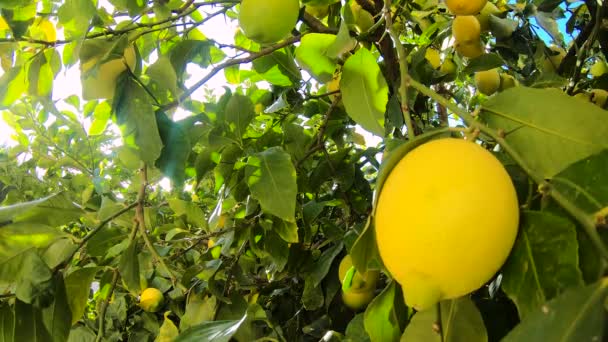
360, 283
448, 66
470, 50
357, 300
446, 220
552, 62
465, 7
598, 68
488, 81
599, 97
466, 29
433, 57
334, 85
268, 21
101, 83
151, 300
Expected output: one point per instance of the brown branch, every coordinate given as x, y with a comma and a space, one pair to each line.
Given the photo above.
319, 141
315, 24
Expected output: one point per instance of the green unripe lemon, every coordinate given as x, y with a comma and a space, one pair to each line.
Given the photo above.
268, 21
488, 81
360, 282
357, 300
443, 237
151, 299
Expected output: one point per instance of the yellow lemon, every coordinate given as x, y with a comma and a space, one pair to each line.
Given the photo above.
470, 50
507, 81
441, 236
448, 66
360, 282
268, 21
101, 83
151, 300
488, 81
598, 68
357, 300
334, 85
599, 97
554, 58
466, 29
465, 7
433, 57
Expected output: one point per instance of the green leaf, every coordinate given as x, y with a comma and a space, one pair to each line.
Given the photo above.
288, 231
312, 56
54, 316
54, 210
271, 177
12, 86
278, 69
18, 237
323, 264
549, 129
238, 113
31, 276
106, 238
7, 322
585, 183
176, 150
218, 331
40, 76
543, 262
59, 252
312, 296
461, 321
576, 315
129, 268
82, 334
75, 16
28, 324
381, 320
137, 120
364, 91
164, 78
365, 250
168, 331
355, 331
486, 61
198, 310
77, 286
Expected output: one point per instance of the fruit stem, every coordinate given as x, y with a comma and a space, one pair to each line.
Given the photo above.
586, 221
402, 68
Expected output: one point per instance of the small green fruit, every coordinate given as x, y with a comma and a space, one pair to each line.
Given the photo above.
268, 21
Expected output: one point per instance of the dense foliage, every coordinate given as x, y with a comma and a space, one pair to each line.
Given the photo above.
272, 181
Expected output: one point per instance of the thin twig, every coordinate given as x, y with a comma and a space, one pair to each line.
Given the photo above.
104, 307
403, 69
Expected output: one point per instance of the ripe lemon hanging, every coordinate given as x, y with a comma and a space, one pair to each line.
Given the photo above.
268, 21
465, 7
488, 81
466, 29
151, 299
446, 220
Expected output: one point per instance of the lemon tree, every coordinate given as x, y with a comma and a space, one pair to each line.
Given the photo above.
303, 170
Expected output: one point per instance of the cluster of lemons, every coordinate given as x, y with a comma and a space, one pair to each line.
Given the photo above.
473, 18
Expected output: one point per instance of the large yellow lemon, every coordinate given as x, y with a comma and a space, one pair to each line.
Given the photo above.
100, 83
357, 300
151, 300
360, 282
488, 81
465, 7
446, 220
466, 29
470, 49
268, 21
